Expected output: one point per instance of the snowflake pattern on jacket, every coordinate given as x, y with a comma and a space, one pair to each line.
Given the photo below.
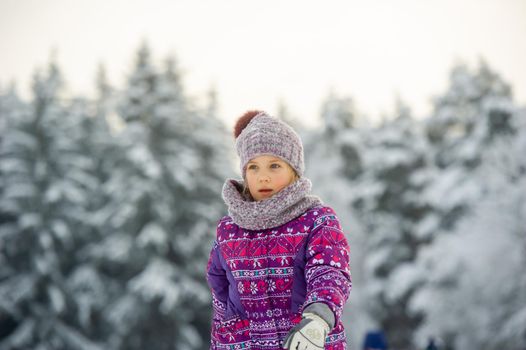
261, 280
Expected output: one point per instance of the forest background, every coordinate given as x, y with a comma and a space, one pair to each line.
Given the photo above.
109, 202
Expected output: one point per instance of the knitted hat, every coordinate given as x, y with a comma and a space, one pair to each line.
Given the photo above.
266, 135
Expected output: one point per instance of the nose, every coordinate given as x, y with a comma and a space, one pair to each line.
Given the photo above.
264, 178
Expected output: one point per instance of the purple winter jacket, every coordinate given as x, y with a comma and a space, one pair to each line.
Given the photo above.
261, 280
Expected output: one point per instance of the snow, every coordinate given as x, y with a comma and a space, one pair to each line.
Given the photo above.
158, 281
154, 235
75, 340
123, 313
402, 280
57, 299
426, 228
116, 247
61, 230
451, 189
141, 155
30, 220
20, 190
15, 289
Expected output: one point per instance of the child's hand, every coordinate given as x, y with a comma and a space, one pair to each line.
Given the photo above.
309, 334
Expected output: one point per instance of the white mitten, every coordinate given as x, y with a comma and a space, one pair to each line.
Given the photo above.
309, 334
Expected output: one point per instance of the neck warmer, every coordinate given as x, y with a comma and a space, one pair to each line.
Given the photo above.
282, 207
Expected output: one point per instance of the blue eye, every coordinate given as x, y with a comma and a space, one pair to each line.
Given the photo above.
273, 165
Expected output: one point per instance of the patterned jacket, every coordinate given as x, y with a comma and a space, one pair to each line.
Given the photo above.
262, 280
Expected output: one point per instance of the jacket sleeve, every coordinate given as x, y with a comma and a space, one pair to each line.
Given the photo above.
327, 268
218, 283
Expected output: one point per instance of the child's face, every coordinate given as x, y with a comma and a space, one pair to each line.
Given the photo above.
268, 172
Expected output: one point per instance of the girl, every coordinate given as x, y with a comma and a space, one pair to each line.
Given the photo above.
279, 267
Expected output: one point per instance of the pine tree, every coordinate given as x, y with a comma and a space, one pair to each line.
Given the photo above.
477, 193
333, 157
47, 183
89, 288
455, 125
391, 154
164, 204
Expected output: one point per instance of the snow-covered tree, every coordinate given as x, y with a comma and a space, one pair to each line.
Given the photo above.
471, 294
333, 156
338, 113
455, 127
382, 201
47, 181
165, 201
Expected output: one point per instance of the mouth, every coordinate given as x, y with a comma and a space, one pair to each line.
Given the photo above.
265, 191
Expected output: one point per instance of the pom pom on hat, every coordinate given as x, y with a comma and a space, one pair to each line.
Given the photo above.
257, 133
243, 121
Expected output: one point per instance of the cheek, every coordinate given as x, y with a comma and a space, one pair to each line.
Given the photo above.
286, 180
251, 182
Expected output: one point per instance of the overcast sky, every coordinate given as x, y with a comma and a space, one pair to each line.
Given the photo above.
257, 52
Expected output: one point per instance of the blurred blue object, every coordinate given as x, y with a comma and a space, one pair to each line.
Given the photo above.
431, 345
375, 340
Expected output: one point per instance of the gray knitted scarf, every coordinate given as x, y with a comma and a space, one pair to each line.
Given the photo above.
284, 206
